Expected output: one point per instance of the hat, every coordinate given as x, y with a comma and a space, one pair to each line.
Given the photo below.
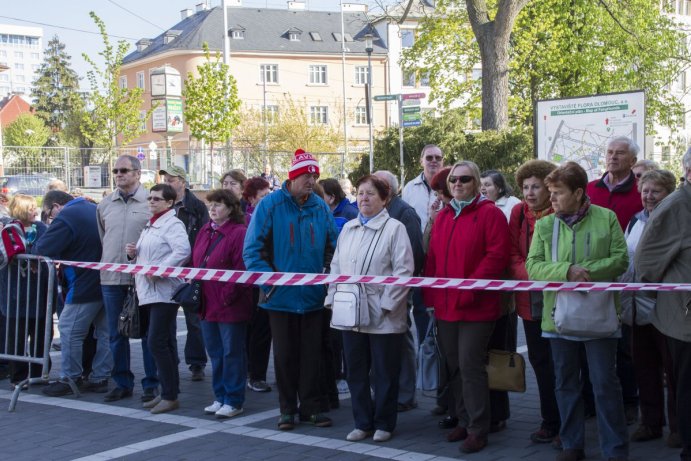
303, 163
175, 170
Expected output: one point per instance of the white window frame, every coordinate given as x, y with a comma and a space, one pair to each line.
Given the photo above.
271, 113
237, 34
361, 74
142, 120
319, 115
361, 115
271, 70
141, 80
122, 82
318, 74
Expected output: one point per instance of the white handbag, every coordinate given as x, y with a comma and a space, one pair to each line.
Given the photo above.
584, 314
350, 308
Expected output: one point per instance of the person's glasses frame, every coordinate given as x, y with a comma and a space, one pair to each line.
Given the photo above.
464, 179
151, 198
124, 170
434, 158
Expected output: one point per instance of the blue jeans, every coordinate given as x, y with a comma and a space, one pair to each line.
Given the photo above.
195, 355
225, 344
74, 324
611, 422
113, 300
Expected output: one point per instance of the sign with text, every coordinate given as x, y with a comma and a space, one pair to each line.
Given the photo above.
413, 96
386, 97
167, 116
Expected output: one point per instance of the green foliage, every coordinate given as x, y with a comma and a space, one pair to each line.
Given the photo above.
56, 91
211, 101
115, 109
501, 150
26, 130
559, 48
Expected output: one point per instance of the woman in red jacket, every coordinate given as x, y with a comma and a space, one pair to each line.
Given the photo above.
530, 178
226, 307
470, 239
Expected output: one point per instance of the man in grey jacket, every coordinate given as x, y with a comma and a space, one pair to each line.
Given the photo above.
664, 255
121, 217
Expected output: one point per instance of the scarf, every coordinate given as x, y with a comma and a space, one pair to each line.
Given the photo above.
571, 219
458, 205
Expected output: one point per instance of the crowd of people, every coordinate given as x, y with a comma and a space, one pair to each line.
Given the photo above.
453, 222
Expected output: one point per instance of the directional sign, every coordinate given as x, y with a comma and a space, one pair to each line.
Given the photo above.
140, 153
411, 117
411, 109
413, 96
410, 123
386, 97
410, 102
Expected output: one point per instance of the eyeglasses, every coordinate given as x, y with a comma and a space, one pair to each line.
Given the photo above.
463, 179
155, 199
123, 170
435, 158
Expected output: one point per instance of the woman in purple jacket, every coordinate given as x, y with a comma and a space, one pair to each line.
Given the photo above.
226, 307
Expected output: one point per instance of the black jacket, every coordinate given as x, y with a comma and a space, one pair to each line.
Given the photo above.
400, 210
193, 214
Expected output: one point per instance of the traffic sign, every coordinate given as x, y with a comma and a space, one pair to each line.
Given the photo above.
140, 153
411, 117
413, 96
386, 97
410, 102
411, 109
410, 123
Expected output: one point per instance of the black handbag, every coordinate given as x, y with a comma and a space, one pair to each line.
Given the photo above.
129, 321
189, 294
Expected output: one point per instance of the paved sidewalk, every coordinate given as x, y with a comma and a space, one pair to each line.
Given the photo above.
86, 428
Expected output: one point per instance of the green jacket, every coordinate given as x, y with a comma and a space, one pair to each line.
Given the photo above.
595, 243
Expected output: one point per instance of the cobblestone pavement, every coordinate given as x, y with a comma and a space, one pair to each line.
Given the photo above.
86, 428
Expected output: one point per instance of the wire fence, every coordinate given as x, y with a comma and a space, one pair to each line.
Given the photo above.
30, 169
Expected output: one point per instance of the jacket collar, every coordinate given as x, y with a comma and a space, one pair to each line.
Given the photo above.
139, 195
165, 217
620, 188
375, 223
312, 199
223, 229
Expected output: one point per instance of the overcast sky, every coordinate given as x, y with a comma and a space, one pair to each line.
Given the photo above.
57, 17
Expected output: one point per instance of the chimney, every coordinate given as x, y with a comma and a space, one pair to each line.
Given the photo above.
234, 3
201, 7
143, 44
186, 13
296, 5
354, 7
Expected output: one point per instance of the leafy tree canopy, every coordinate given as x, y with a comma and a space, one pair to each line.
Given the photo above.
26, 131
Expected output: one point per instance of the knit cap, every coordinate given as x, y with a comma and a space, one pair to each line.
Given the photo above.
303, 163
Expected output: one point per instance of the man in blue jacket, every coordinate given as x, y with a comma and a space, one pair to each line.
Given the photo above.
73, 235
292, 230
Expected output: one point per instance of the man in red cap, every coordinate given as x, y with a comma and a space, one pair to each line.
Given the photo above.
292, 230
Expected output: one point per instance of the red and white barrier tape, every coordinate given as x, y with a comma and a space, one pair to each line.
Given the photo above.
297, 279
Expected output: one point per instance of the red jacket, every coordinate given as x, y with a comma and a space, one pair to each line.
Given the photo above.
521, 227
624, 200
223, 301
474, 245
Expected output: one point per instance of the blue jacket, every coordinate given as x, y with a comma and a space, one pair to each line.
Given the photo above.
344, 212
286, 237
73, 235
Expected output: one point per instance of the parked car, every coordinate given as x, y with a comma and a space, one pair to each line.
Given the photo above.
149, 177
29, 184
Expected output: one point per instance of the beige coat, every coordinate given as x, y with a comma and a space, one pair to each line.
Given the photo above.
120, 223
392, 255
664, 255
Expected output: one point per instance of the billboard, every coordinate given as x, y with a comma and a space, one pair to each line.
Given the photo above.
578, 129
167, 116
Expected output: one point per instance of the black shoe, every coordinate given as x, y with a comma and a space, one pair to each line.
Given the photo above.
98, 387
497, 426
117, 393
317, 420
60, 388
448, 423
149, 394
631, 413
197, 373
406, 406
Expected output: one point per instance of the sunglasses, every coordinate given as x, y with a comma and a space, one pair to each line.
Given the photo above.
463, 179
154, 199
436, 158
123, 170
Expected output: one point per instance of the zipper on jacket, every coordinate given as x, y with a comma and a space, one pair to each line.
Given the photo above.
312, 233
573, 245
446, 261
587, 245
292, 235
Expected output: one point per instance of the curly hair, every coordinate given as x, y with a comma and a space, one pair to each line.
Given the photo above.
538, 168
227, 198
662, 178
253, 186
570, 174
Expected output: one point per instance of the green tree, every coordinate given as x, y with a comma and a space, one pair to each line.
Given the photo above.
56, 90
116, 110
559, 48
28, 133
211, 101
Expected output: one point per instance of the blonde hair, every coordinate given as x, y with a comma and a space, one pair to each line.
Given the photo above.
474, 172
21, 206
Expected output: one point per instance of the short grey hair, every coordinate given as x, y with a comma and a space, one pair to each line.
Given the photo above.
632, 146
686, 161
390, 178
134, 161
647, 164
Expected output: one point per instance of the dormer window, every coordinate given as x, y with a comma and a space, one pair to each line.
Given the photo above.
170, 35
237, 33
293, 34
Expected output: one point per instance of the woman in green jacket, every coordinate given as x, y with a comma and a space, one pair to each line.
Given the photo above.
590, 247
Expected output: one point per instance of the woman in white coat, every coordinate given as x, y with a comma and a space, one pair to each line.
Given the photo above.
374, 244
163, 242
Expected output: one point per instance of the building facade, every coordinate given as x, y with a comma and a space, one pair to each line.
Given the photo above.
21, 50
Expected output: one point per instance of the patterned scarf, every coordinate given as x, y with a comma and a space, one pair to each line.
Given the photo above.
571, 219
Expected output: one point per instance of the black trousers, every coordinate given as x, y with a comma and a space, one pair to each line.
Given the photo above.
258, 342
681, 361
162, 343
540, 357
297, 341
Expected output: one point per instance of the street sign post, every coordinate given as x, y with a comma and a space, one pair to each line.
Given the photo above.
412, 96
140, 153
386, 97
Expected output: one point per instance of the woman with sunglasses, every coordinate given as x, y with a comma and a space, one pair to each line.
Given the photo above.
163, 242
470, 239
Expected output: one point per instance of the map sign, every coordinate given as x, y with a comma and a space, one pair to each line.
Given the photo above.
578, 129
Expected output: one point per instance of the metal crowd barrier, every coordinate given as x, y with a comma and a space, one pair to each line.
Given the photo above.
28, 286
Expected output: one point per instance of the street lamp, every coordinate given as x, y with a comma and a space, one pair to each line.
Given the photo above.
368, 97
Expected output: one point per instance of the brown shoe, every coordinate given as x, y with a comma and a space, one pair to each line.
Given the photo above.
165, 406
458, 434
474, 443
571, 455
645, 433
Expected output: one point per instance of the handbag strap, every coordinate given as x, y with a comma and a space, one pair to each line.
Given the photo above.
380, 232
209, 250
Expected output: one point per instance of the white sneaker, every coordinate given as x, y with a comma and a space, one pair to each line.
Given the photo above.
228, 411
358, 434
342, 386
381, 436
213, 408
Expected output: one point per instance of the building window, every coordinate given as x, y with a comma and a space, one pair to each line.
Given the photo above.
408, 78
4, 90
142, 120
316, 37
18, 66
35, 67
664, 154
319, 114
361, 115
18, 55
237, 34
4, 78
3, 54
424, 78
35, 56
268, 73
317, 75
19, 78
294, 36
271, 114
361, 73
123, 81
407, 38
140, 80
